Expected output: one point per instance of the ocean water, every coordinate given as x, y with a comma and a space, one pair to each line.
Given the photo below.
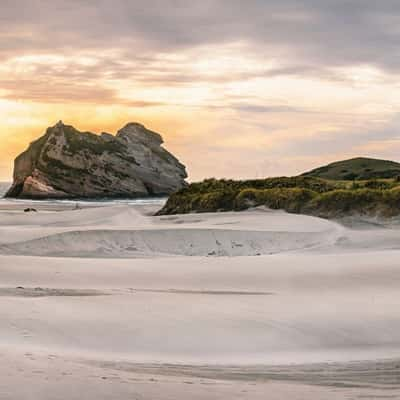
150, 200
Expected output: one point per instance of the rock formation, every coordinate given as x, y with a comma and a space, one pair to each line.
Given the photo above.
66, 163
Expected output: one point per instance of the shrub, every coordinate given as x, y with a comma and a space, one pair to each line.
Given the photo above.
391, 199
346, 201
378, 184
305, 182
297, 195
351, 176
289, 199
216, 201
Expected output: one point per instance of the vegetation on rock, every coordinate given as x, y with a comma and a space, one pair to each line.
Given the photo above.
95, 144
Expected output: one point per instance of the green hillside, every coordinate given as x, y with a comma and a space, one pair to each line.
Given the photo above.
304, 195
360, 168
363, 186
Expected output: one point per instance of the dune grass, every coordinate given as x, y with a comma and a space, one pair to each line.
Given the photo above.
305, 195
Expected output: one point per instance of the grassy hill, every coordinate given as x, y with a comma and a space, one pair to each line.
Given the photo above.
360, 168
357, 186
301, 194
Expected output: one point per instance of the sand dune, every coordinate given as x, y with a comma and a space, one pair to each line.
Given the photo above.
187, 242
152, 303
126, 232
108, 232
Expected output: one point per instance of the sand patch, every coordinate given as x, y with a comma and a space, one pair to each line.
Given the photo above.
205, 292
158, 242
381, 374
47, 292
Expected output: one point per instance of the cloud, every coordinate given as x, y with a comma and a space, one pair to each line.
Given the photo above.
276, 86
262, 108
368, 139
88, 50
42, 91
310, 34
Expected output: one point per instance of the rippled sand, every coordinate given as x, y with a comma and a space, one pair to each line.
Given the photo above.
109, 302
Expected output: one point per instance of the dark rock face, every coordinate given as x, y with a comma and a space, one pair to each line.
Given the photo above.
66, 163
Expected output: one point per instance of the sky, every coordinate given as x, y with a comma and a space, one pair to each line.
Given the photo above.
238, 89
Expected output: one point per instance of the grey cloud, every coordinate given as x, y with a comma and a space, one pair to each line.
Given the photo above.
45, 92
55, 89
258, 108
311, 33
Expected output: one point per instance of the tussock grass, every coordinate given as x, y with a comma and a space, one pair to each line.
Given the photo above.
304, 195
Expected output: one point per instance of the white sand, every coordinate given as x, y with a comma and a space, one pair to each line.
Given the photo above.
108, 302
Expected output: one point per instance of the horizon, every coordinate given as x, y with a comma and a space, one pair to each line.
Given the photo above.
212, 177
266, 90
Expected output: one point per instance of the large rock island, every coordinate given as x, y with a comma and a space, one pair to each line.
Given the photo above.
66, 163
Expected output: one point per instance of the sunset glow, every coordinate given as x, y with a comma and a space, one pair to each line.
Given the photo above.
231, 97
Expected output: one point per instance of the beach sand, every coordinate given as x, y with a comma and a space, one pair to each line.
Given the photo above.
111, 302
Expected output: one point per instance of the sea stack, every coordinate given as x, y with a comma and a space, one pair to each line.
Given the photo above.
66, 163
